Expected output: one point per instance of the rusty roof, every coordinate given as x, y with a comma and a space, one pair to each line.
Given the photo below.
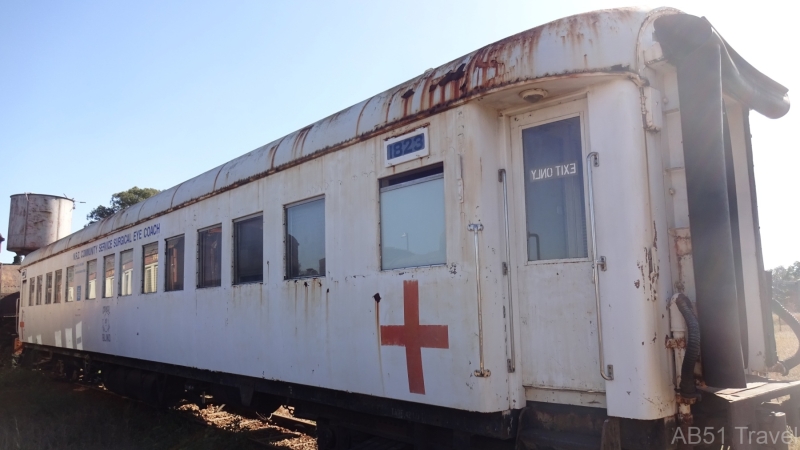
606, 41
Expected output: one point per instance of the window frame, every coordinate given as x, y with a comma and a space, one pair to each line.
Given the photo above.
534, 118
86, 296
105, 279
48, 288
66, 284
144, 268
58, 280
38, 290
167, 261
121, 277
404, 184
234, 273
200, 266
286, 208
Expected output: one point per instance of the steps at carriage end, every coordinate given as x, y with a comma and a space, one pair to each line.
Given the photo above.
558, 440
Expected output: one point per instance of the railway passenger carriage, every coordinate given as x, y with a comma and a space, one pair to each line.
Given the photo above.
493, 249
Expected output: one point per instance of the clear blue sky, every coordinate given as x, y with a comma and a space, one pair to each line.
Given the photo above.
98, 96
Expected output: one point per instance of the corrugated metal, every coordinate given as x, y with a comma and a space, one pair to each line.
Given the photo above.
564, 47
599, 42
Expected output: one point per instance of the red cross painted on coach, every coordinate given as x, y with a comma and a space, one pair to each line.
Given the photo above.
414, 337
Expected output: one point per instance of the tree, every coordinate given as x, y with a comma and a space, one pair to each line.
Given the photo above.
785, 287
120, 201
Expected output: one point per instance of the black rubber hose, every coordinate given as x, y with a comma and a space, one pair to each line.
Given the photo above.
789, 363
687, 387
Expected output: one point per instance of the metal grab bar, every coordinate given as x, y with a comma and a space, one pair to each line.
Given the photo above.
512, 360
593, 160
475, 228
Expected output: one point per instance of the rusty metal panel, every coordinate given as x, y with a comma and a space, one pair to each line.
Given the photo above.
195, 188
242, 170
157, 203
130, 215
36, 220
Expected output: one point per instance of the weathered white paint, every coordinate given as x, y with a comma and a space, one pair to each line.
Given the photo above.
325, 331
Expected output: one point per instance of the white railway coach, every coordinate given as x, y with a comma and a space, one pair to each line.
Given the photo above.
499, 250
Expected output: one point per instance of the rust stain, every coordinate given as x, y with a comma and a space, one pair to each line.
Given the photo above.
300, 141
274, 150
483, 71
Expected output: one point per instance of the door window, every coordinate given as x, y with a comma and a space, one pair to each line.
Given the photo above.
554, 197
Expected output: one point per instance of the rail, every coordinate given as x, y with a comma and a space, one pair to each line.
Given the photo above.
598, 264
476, 228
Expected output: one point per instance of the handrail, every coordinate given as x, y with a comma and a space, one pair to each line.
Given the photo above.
593, 160
512, 360
475, 228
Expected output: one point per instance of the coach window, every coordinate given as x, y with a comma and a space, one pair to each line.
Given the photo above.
125, 273
248, 250
305, 239
48, 291
70, 293
57, 287
91, 280
108, 276
149, 267
554, 199
174, 272
32, 292
412, 219
209, 255
39, 290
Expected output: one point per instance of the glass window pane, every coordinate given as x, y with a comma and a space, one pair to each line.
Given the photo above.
32, 293
174, 274
70, 284
248, 250
39, 290
554, 205
48, 293
412, 225
57, 288
91, 281
210, 258
125, 273
305, 239
149, 267
108, 276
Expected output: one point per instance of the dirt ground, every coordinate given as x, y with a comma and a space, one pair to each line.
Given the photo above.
38, 412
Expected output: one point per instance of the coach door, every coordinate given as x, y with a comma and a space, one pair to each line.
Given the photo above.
551, 249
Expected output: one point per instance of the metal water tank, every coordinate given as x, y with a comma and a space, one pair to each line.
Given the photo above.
37, 220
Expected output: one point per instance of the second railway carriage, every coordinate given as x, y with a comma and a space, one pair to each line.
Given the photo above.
501, 248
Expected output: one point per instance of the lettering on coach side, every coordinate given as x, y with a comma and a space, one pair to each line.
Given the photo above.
556, 171
106, 323
127, 238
